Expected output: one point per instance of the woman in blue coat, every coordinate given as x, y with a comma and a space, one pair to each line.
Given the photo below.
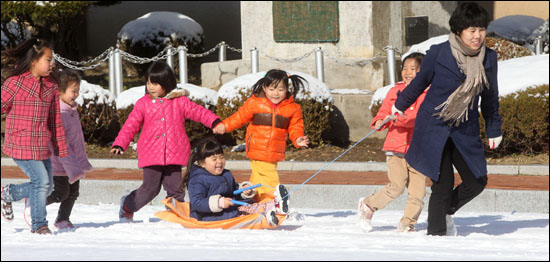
460, 71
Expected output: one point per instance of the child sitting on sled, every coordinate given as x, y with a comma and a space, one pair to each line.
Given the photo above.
211, 188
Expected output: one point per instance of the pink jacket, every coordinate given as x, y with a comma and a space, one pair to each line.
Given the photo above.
400, 132
76, 163
163, 140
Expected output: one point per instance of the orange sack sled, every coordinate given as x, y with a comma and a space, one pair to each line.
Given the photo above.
181, 214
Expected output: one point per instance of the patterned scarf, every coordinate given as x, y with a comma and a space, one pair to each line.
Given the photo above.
455, 108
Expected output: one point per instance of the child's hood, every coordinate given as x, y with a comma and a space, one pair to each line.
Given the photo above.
174, 93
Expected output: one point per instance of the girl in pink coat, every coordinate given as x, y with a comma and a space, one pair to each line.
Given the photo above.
163, 146
398, 139
67, 171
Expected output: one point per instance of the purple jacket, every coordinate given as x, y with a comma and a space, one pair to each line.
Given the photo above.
77, 161
163, 140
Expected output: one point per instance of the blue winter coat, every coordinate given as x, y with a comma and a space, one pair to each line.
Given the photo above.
205, 188
440, 69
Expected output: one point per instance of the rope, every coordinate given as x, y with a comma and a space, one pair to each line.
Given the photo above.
328, 164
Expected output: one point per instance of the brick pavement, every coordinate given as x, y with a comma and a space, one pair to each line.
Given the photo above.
522, 182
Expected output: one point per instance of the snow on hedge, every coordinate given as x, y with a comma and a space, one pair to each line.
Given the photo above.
514, 75
317, 90
424, 46
145, 28
196, 93
95, 93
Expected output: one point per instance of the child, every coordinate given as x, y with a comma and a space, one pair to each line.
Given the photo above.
31, 101
163, 146
273, 116
400, 174
67, 171
211, 187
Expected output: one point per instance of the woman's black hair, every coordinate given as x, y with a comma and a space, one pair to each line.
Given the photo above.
65, 77
26, 52
467, 15
274, 77
159, 72
416, 56
206, 147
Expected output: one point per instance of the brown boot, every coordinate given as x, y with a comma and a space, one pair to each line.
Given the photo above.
43, 230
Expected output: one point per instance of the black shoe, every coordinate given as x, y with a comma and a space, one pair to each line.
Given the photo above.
282, 199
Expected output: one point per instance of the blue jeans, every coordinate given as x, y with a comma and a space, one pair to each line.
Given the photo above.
40, 187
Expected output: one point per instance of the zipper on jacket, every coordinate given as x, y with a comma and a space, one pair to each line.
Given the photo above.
248, 142
273, 118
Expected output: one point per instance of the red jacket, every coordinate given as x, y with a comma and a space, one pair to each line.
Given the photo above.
269, 127
33, 118
400, 132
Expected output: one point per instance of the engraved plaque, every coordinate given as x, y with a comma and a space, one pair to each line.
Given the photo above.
416, 29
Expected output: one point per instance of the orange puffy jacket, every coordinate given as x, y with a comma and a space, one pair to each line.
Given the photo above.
267, 133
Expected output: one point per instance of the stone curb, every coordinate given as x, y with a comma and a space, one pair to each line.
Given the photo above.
533, 170
329, 196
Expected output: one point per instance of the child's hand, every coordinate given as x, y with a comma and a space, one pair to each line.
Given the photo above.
379, 122
302, 141
227, 202
116, 150
247, 192
219, 129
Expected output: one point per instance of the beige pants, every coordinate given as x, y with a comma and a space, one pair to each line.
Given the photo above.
401, 175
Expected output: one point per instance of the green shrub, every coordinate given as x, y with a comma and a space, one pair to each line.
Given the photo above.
315, 115
525, 123
99, 121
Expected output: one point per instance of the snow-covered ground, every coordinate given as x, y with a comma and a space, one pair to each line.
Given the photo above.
317, 234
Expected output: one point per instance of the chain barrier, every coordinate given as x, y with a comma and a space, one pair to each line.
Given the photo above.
233, 49
139, 60
359, 63
288, 60
207, 52
169, 50
71, 64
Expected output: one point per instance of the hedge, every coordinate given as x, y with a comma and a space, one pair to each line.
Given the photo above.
524, 123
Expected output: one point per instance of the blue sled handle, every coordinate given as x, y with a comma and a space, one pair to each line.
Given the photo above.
236, 192
237, 202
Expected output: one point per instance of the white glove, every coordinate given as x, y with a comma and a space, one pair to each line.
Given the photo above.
495, 142
395, 110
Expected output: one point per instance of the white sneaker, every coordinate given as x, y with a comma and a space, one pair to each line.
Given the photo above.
404, 227
451, 227
282, 204
7, 209
365, 216
271, 216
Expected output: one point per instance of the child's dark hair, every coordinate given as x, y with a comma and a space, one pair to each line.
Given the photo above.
26, 52
274, 77
66, 77
206, 147
466, 15
159, 72
416, 56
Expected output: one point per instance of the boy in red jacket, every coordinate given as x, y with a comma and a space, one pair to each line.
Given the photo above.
397, 142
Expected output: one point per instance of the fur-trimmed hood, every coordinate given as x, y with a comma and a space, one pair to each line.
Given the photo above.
174, 94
